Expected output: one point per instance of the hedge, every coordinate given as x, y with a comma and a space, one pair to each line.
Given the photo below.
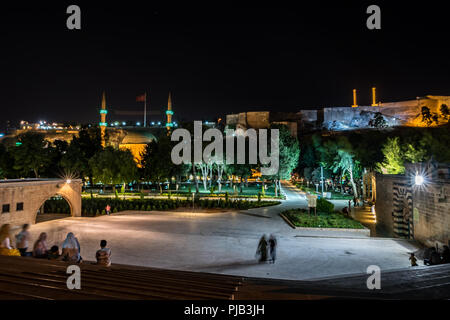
95, 206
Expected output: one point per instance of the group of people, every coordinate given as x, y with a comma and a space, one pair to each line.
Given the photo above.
267, 249
70, 250
433, 256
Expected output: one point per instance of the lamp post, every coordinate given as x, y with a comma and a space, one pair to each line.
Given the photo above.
321, 177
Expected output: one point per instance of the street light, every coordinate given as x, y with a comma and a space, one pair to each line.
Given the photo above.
418, 180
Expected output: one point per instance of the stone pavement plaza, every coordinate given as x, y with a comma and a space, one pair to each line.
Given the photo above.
226, 242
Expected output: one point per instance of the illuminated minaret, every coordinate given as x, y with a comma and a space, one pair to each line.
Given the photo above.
102, 123
169, 114
374, 97
354, 99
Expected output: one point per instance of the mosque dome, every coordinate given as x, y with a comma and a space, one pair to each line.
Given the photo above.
136, 136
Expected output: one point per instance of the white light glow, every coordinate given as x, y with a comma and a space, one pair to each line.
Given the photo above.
418, 180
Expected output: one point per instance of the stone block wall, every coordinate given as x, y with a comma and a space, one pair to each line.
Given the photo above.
430, 202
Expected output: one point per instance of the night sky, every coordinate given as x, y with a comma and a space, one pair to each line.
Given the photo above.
216, 59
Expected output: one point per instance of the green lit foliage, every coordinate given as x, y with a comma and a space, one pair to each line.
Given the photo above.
393, 159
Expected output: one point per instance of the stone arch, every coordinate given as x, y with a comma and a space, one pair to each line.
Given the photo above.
43, 202
32, 193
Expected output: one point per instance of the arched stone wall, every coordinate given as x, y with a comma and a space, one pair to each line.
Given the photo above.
32, 193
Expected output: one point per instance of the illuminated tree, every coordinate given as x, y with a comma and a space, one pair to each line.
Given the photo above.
112, 166
81, 149
378, 121
445, 112
427, 117
393, 159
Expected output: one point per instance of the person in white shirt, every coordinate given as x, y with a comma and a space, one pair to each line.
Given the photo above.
22, 240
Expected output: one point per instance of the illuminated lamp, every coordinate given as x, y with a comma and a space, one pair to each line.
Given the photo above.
103, 124
104, 111
418, 180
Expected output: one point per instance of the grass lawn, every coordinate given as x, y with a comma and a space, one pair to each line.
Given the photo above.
334, 195
301, 218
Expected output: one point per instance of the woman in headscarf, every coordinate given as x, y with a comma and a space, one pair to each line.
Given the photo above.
71, 249
6, 248
262, 249
40, 249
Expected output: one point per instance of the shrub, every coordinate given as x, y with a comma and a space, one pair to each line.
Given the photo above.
324, 206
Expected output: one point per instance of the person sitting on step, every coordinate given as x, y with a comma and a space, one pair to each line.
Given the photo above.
103, 255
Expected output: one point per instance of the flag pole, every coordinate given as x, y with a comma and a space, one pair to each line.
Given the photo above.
145, 109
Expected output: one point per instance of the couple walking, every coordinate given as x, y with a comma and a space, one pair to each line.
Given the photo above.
267, 246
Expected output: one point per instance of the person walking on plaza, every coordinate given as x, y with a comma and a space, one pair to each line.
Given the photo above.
40, 249
262, 249
272, 248
71, 249
22, 240
413, 260
103, 255
108, 209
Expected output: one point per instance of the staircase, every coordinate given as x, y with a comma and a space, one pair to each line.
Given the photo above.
28, 278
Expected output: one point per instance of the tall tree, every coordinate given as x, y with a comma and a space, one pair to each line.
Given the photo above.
31, 155
393, 160
156, 163
445, 112
81, 149
112, 166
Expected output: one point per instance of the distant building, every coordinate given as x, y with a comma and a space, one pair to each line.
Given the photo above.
263, 120
401, 113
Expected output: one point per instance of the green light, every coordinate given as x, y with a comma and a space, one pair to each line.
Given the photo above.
103, 124
18, 144
169, 124
104, 111
169, 112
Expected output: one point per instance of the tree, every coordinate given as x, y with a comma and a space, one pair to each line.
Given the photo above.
378, 121
427, 117
156, 163
81, 149
393, 160
31, 155
345, 163
289, 155
6, 163
112, 166
445, 112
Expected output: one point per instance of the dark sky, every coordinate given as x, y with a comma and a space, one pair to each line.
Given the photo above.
216, 59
